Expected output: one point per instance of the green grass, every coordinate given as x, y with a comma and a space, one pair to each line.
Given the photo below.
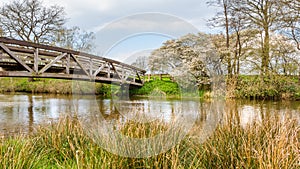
271, 144
167, 87
158, 87
271, 87
253, 87
53, 86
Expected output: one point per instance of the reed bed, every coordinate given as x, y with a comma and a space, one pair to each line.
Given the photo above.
273, 143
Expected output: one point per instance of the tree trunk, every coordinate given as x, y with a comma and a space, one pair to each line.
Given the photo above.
266, 40
266, 54
229, 66
299, 76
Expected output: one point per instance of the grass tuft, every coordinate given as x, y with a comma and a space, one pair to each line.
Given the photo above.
272, 143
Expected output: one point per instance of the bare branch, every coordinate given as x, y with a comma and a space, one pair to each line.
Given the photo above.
29, 20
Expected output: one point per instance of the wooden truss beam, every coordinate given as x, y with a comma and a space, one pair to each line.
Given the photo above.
27, 59
52, 62
18, 60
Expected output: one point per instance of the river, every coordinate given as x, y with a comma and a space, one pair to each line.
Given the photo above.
21, 112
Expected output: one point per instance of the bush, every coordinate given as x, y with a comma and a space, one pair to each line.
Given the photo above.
158, 88
271, 87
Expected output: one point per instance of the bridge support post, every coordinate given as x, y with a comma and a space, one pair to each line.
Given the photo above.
124, 90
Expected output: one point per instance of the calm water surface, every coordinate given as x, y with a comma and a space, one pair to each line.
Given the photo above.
21, 112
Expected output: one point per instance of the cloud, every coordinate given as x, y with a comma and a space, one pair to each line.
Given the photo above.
131, 57
149, 22
115, 20
141, 26
92, 13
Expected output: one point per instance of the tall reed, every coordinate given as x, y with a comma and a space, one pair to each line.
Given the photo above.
273, 143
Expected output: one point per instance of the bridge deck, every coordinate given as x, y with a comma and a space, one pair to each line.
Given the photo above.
26, 59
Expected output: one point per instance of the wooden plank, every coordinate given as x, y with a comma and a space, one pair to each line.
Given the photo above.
123, 73
91, 66
98, 70
36, 60
115, 70
126, 77
35, 45
68, 64
63, 76
18, 60
51, 63
80, 65
139, 77
30, 51
108, 70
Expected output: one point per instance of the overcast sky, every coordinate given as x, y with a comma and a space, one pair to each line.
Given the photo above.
119, 24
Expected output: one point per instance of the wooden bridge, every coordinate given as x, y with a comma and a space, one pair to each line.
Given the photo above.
26, 59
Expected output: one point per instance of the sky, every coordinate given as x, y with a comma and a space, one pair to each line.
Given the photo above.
126, 27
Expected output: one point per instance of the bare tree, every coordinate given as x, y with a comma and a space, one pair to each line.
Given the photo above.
291, 25
141, 62
29, 20
222, 19
263, 15
75, 39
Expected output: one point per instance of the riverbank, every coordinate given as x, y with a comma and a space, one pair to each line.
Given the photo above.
267, 88
273, 143
242, 87
53, 86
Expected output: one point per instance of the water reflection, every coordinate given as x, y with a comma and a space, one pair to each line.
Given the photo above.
247, 112
21, 112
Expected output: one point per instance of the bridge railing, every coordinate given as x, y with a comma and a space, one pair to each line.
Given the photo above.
26, 59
